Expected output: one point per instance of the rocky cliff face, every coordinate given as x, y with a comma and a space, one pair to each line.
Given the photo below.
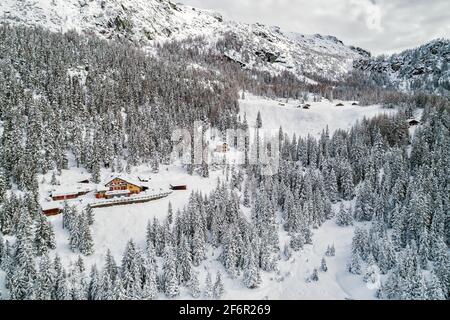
423, 68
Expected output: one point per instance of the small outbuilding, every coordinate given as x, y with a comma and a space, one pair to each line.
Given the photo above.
413, 122
51, 208
223, 147
68, 193
143, 179
178, 187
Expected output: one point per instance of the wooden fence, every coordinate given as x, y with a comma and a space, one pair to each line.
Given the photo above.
128, 200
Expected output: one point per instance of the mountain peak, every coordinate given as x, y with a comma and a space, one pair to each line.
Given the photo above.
143, 21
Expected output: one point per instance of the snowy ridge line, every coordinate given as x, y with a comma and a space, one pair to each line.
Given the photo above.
149, 22
117, 202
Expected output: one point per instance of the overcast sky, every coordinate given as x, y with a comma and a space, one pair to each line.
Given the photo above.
380, 26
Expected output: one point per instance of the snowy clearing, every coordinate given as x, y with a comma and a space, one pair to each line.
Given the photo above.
276, 113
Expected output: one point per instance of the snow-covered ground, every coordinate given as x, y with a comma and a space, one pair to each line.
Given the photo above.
276, 113
114, 226
290, 282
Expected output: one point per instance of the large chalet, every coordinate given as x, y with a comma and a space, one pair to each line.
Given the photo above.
119, 187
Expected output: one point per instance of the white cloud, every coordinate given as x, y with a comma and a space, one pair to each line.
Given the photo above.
370, 11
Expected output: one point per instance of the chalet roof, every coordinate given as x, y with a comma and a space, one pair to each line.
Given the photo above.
51, 205
83, 177
102, 188
126, 178
70, 190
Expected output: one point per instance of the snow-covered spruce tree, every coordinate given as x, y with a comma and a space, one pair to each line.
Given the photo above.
23, 272
198, 246
130, 272
208, 292
86, 245
371, 274
60, 289
69, 214
434, 288
45, 279
258, 121
9, 213
347, 184
252, 278
90, 215
344, 217
94, 284
77, 285
354, 266
171, 286
246, 196
2, 250
44, 236
332, 186
323, 265
365, 203
149, 286
194, 285
331, 251
106, 286
315, 275
229, 255
184, 268
218, 287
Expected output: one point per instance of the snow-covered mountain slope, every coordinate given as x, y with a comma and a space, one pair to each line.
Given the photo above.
137, 20
422, 68
145, 21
